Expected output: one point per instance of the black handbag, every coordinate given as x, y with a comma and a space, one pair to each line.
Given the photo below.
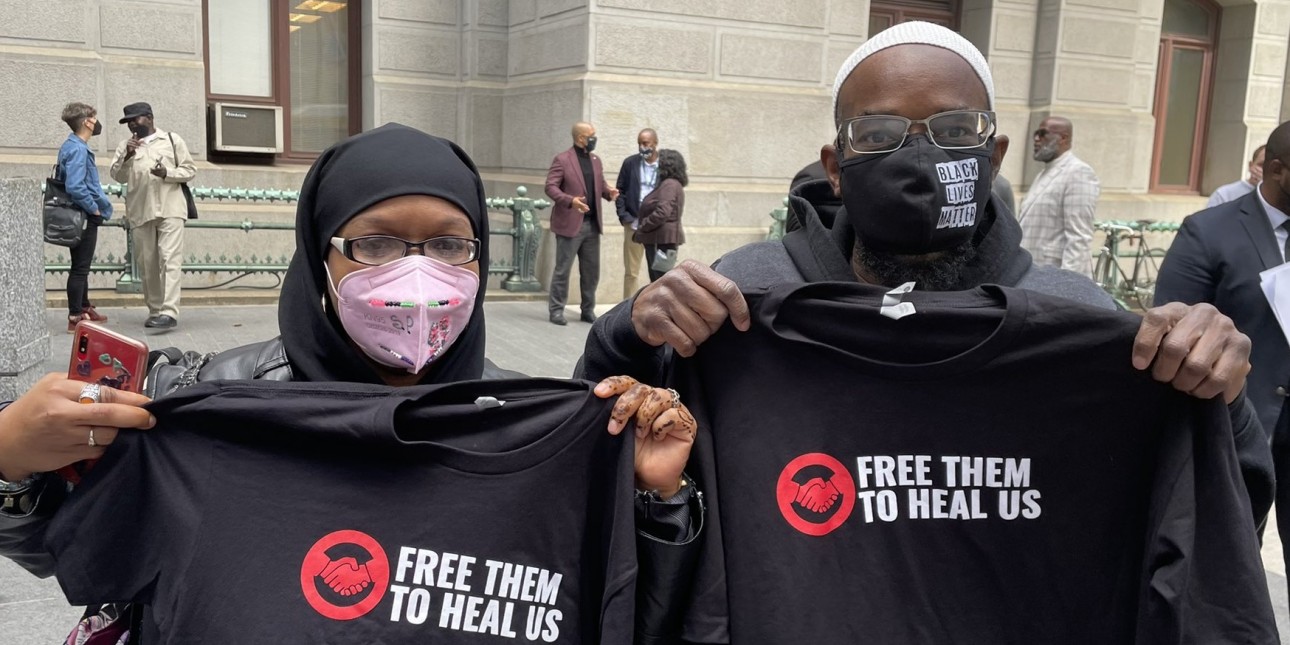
188, 194
63, 222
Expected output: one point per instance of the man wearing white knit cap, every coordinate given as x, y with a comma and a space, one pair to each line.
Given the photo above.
912, 97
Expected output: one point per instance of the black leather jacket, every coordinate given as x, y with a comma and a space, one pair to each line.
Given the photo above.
266, 360
665, 564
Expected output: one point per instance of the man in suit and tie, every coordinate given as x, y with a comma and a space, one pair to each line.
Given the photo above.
1216, 258
576, 184
1057, 214
636, 179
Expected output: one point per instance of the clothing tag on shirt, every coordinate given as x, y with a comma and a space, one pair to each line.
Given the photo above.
896, 312
896, 295
892, 307
488, 403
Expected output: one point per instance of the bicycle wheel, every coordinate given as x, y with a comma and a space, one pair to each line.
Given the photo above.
1105, 271
1146, 266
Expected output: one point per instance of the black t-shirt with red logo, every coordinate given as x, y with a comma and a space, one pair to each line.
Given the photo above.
261, 512
989, 469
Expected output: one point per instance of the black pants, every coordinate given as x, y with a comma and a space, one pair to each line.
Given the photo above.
78, 277
1281, 460
586, 249
650, 251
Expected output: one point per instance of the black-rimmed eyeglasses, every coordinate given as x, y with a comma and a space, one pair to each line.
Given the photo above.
956, 130
375, 250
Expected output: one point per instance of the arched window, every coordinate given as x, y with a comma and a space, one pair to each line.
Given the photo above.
1184, 80
885, 14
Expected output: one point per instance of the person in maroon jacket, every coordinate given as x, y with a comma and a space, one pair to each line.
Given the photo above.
576, 221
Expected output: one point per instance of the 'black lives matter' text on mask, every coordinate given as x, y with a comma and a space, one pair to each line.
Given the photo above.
919, 198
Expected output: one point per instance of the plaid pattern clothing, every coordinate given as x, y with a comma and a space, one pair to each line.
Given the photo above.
1057, 215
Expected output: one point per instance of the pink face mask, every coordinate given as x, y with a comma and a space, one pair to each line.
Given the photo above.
408, 312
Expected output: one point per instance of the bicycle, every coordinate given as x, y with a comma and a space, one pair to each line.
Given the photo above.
1138, 285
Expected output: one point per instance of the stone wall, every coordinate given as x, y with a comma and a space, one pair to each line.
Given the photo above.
1250, 77
93, 51
24, 338
1095, 61
741, 87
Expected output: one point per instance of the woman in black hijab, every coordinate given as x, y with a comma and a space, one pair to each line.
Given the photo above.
375, 209
348, 179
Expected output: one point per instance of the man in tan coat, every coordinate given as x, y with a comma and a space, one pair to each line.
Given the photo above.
154, 163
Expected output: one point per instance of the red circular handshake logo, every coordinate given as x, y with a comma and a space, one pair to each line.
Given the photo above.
815, 493
345, 575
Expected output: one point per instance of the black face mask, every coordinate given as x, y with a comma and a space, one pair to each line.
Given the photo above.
917, 199
98, 129
591, 144
140, 130
646, 151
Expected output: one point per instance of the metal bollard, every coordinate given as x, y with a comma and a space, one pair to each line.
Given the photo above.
129, 282
779, 218
524, 244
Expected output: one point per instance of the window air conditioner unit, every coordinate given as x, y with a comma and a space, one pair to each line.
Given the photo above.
246, 128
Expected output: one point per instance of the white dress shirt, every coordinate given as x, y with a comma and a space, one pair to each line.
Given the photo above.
1277, 219
649, 179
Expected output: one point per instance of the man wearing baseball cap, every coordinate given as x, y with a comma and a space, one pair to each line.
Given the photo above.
156, 164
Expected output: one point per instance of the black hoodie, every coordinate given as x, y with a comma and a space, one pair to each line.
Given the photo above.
820, 252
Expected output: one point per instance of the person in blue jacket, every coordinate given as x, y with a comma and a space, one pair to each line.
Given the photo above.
81, 177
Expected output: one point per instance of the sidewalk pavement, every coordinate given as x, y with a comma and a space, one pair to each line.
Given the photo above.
33, 611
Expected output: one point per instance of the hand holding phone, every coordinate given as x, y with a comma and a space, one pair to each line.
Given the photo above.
100, 355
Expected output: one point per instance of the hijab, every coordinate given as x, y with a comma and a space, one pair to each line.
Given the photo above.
349, 177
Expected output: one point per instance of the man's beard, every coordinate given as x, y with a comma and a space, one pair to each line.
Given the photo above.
941, 271
1046, 152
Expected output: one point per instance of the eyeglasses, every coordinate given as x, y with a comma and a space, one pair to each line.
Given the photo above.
375, 250
1043, 134
875, 134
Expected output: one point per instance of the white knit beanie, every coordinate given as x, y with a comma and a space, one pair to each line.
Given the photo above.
922, 33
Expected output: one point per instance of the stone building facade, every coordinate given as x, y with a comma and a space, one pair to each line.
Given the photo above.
740, 87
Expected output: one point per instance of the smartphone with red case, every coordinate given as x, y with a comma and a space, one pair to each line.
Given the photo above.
100, 355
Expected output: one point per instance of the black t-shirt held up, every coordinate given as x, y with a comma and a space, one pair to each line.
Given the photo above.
989, 469
264, 512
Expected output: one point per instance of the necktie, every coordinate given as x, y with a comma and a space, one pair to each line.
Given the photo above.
1285, 253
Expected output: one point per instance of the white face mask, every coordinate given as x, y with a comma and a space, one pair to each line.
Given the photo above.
408, 312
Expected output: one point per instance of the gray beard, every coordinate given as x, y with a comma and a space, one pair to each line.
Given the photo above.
1046, 153
934, 272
